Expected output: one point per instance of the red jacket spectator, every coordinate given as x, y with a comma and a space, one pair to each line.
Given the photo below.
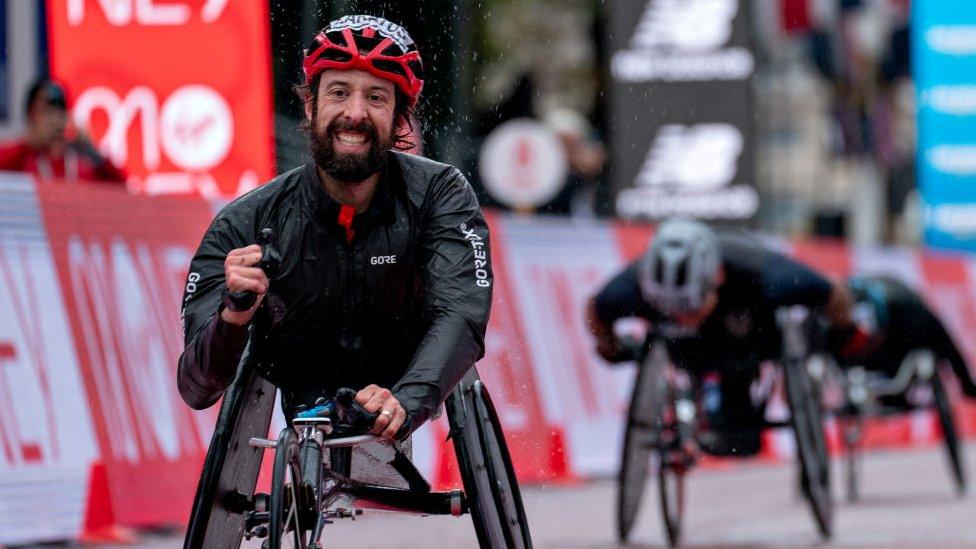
45, 149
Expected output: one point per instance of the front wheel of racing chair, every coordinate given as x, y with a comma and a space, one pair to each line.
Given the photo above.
677, 432
490, 487
807, 421
660, 425
950, 433
641, 439
804, 398
289, 525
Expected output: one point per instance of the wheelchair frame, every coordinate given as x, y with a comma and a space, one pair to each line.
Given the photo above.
491, 494
661, 423
862, 389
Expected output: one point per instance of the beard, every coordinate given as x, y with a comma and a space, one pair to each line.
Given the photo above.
346, 167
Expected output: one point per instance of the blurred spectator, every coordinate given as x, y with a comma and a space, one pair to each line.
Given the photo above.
519, 102
586, 157
863, 52
896, 124
51, 148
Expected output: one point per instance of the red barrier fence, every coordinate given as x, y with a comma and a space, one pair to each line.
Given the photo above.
94, 436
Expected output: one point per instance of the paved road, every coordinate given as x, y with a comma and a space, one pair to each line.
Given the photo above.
907, 503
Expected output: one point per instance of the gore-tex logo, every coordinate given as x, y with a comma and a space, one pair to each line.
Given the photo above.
382, 260
480, 255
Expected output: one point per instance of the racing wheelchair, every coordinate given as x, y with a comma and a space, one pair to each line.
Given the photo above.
662, 434
871, 394
314, 474
313, 479
869, 387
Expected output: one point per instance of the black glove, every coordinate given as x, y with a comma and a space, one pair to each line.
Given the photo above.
613, 351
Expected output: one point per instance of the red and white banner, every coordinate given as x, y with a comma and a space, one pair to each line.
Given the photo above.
47, 443
121, 262
178, 93
94, 435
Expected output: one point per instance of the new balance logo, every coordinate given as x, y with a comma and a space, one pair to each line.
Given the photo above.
689, 171
700, 157
689, 25
683, 41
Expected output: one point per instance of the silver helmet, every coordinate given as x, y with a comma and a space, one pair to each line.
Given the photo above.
681, 266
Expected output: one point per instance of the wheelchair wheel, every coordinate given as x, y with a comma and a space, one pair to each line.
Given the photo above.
287, 528
815, 414
641, 441
671, 487
678, 430
810, 444
490, 487
949, 433
671, 471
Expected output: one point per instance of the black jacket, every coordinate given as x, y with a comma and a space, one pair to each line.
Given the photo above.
404, 305
742, 329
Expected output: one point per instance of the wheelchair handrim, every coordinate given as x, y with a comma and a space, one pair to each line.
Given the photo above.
510, 500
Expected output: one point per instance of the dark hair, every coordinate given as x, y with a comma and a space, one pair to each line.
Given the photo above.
52, 90
403, 113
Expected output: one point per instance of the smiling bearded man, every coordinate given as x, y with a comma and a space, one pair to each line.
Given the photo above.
401, 331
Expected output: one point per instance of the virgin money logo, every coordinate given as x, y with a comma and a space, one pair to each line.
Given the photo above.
196, 128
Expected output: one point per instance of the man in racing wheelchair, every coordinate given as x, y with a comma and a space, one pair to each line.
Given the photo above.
366, 268
897, 369
895, 322
713, 297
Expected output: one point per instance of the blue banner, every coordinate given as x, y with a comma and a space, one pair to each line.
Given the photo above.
944, 66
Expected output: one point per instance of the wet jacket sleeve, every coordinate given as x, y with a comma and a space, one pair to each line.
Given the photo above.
213, 347
619, 298
788, 282
455, 258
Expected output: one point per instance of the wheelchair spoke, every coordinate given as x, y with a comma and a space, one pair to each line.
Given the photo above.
292, 518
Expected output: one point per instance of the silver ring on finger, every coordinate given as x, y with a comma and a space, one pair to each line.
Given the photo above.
386, 413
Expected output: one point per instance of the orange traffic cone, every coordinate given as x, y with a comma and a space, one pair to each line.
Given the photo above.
100, 525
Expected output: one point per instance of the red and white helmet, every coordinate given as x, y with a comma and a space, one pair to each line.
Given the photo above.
368, 43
